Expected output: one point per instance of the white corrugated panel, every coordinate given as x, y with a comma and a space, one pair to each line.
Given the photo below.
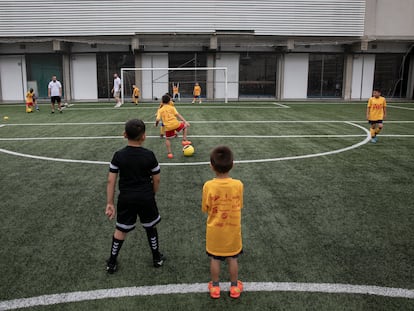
126, 17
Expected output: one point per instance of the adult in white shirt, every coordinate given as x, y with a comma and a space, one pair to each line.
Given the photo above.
54, 91
116, 90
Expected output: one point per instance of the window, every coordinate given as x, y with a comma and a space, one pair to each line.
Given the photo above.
325, 75
257, 76
40, 69
107, 65
391, 74
187, 79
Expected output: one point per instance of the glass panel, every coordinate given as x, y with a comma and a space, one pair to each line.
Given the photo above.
315, 75
389, 73
107, 65
187, 79
325, 76
257, 74
41, 68
332, 75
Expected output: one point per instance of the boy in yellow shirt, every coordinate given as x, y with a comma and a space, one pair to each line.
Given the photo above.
135, 94
376, 113
168, 115
223, 200
197, 93
29, 100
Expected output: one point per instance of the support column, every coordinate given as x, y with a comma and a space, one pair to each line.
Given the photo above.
67, 85
211, 62
347, 84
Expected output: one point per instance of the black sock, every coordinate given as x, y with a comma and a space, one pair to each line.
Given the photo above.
152, 235
116, 247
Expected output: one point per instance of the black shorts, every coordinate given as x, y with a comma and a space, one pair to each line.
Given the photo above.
222, 258
55, 99
134, 204
374, 122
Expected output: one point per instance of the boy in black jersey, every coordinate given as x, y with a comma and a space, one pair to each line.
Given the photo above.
139, 179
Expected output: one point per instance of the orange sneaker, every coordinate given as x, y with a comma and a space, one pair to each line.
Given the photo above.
214, 290
186, 142
170, 156
236, 290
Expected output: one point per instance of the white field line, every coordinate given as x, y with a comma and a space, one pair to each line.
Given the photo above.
170, 289
281, 105
202, 122
201, 136
398, 107
195, 106
366, 140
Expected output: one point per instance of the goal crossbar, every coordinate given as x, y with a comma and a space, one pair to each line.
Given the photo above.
172, 69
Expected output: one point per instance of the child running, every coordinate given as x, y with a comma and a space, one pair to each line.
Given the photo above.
168, 115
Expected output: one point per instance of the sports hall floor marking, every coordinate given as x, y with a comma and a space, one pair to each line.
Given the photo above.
306, 156
329, 288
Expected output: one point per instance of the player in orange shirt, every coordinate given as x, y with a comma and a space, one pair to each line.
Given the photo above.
135, 94
376, 113
223, 200
176, 91
168, 115
197, 93
29, 100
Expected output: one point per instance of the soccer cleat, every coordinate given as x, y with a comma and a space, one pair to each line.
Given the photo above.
214, 290
159, 262
52, 111
186, 142
117, 105
170, 156
236, 290
111, 267
374, 140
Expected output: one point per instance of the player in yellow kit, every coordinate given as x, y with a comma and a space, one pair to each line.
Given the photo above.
29, 100
197, 93
223, 200
135, 94
168, 115
376, 113
176, 91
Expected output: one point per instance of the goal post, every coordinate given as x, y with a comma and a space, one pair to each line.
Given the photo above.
155, 82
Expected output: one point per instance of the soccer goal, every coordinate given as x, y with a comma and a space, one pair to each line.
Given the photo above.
155, 82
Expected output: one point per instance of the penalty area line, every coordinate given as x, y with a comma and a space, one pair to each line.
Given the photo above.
324, 288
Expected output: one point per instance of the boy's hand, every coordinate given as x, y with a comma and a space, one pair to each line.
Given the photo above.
110, 211
187, 123
157, 122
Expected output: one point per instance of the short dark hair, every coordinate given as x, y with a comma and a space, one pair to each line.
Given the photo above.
165, 99
134, 129
221, 158
377, 89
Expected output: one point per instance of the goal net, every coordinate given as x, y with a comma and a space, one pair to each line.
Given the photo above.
155, 82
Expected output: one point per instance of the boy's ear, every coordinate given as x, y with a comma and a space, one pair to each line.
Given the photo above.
125, 135
144, 137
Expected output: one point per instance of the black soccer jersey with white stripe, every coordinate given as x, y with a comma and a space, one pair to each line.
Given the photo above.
135, 166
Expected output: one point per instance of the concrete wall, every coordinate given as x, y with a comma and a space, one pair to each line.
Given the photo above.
295, 76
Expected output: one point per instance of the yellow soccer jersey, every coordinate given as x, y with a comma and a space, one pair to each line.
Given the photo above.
376, 108
197, 90
167, 114
175, 90
223, 201
29, 97
136, 92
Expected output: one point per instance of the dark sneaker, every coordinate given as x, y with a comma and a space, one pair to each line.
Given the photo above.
111, 267
159, 262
